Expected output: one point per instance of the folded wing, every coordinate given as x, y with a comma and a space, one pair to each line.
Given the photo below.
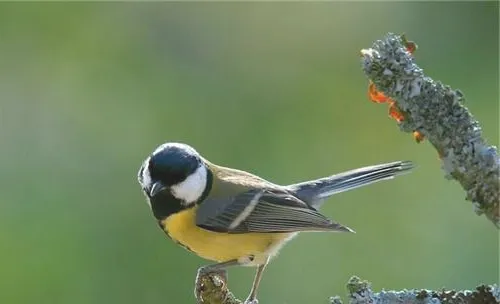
262, 211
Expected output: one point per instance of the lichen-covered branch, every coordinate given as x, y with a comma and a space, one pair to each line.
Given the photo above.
435, 111
360, 293
432, 110
212, 289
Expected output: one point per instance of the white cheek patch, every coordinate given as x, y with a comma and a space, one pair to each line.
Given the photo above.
191, 189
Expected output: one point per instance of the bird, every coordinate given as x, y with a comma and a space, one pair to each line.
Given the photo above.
236, 218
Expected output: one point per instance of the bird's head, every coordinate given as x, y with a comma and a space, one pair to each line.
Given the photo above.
176, 171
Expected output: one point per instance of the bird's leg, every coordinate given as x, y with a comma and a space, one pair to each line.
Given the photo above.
218, 269
252, 297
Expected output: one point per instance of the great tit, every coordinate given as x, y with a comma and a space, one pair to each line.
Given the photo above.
234, 217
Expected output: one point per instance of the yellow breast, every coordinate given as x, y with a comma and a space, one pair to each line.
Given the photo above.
221, 247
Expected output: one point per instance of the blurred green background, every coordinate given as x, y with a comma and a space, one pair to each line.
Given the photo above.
88, 90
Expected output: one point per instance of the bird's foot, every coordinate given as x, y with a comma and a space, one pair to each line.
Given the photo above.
209, 281
220, 273
251, 301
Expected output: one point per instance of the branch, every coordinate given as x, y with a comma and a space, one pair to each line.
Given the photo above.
429, 108
213, 290
360, 293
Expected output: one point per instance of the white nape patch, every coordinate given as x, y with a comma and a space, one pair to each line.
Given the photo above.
246, 212
191, 189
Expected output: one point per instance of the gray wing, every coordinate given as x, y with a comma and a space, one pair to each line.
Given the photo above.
262, 211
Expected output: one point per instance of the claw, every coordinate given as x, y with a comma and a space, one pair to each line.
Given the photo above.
204, 279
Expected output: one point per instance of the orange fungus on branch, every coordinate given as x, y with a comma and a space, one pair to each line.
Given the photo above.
375, 95
411, 46
395, 113
419, 137
378, 97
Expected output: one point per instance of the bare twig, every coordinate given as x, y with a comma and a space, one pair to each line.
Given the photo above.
436, 112
360, 293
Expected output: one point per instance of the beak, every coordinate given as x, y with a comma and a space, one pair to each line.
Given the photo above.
156, 188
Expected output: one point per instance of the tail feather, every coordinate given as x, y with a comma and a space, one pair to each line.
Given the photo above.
315, 191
